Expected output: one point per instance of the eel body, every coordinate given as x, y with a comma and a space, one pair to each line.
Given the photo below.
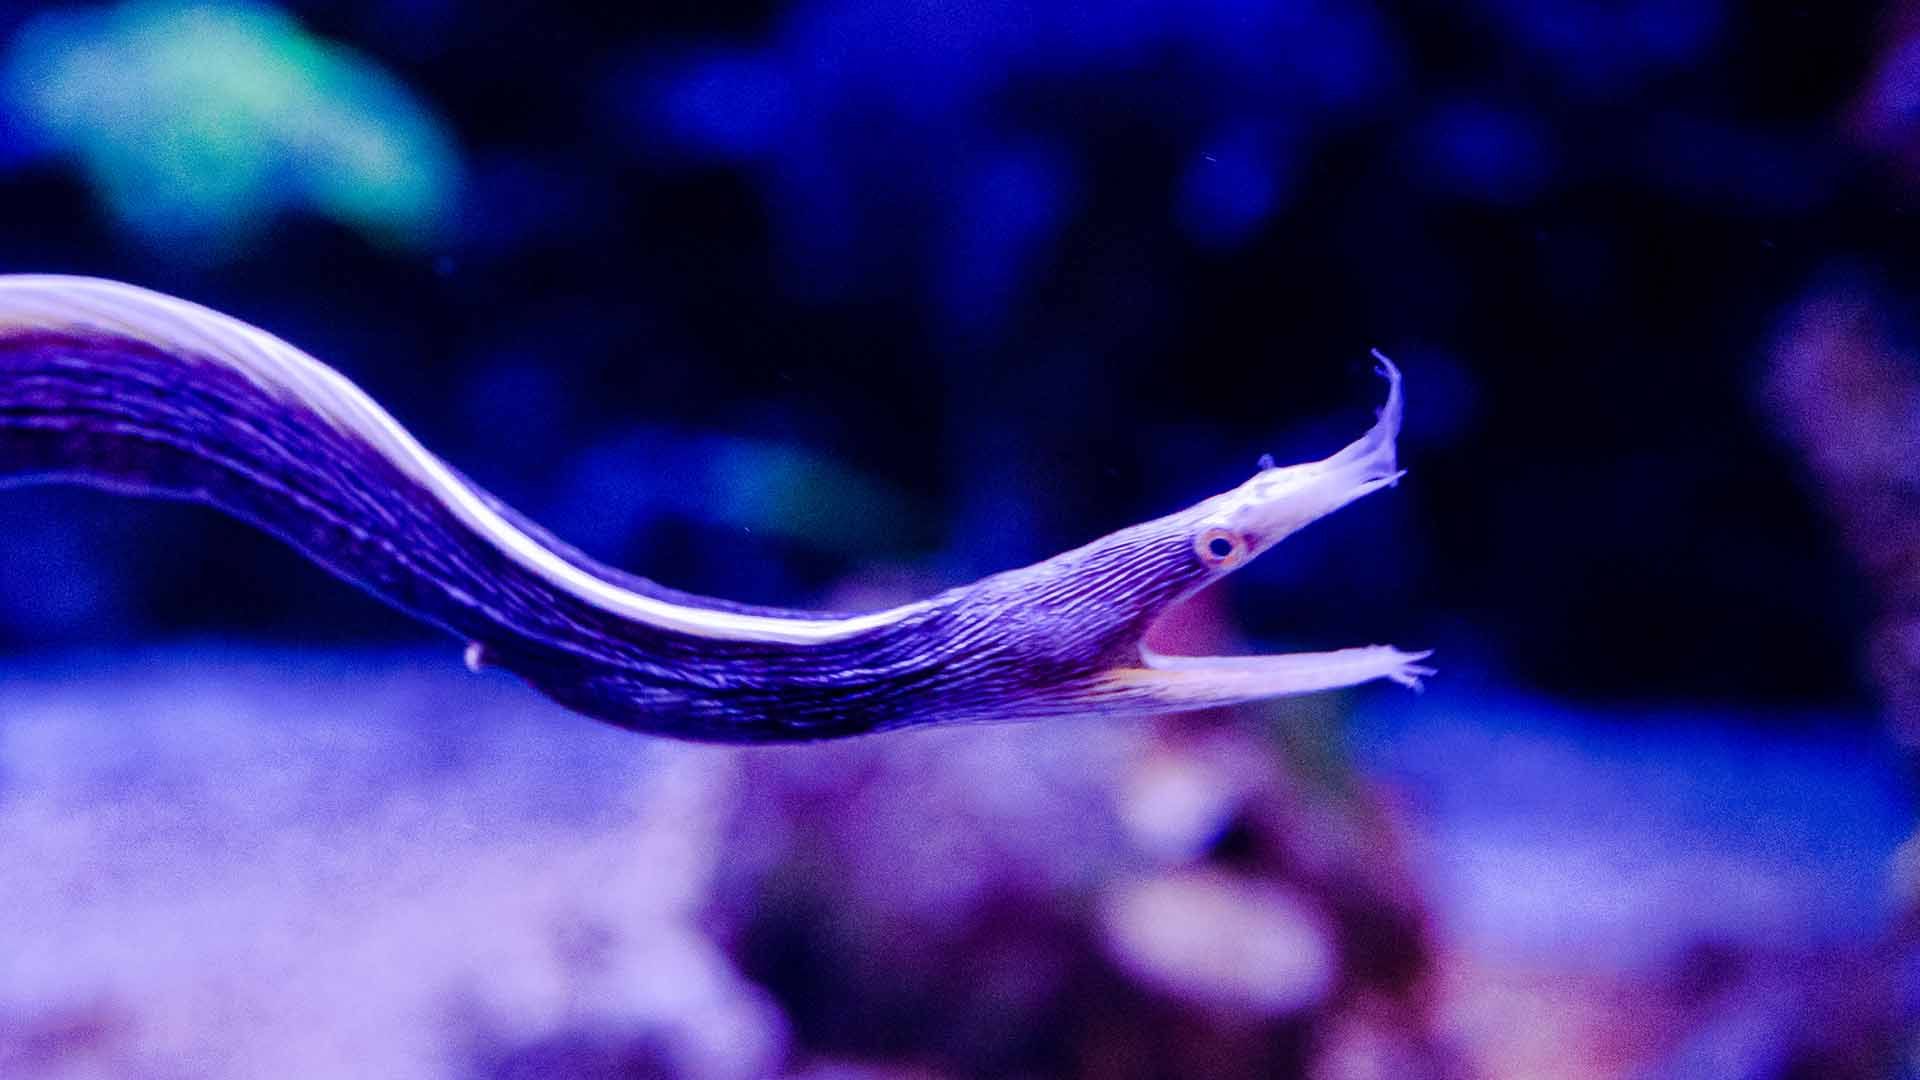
118, 387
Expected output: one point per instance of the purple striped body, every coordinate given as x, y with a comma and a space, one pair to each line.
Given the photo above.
112, 386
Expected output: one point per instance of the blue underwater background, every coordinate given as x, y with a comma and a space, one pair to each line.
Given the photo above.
835, 303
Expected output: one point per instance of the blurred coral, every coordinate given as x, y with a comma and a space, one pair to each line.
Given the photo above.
1846, 389
1848, 396
419, 872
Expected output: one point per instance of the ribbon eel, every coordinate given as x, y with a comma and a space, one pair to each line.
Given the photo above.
118, 387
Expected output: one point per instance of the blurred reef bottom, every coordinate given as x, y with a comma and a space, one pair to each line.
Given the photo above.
240, 863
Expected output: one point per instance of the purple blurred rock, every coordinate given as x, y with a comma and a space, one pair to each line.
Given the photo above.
1225, 944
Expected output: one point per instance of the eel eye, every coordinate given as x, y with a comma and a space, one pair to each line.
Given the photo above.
1220, 549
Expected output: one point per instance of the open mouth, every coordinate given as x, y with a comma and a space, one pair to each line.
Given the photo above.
1267, 508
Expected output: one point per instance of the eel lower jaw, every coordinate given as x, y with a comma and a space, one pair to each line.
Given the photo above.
1278, 674
1159, 681
1178, 683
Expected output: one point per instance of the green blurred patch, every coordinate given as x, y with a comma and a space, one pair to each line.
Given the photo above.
197, 123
